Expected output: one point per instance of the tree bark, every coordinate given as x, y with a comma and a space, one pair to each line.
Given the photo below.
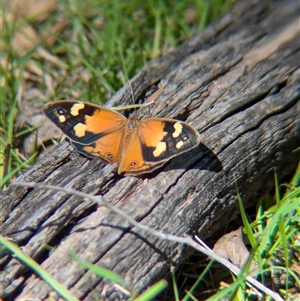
238, 84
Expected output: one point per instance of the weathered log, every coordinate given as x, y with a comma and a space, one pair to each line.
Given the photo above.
238, 83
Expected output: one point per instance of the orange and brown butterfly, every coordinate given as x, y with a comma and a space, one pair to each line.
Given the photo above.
138, 145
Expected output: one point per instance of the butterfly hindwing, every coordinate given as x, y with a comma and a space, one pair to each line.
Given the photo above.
162, 139
107, 147
132, 159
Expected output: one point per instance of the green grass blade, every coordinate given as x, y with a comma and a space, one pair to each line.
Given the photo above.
153, 291
102, 272
41, 272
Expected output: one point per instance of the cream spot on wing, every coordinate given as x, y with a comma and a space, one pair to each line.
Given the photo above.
179, 144
178, 130
62, 118
75, 108
160, 148
80, 129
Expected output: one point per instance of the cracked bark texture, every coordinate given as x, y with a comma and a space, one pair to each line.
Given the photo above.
238, 84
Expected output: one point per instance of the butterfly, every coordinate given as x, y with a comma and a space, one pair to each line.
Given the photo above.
138, 145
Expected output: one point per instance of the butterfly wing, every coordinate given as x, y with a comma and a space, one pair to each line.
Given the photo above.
93, 130
139, 146
155, 141
162, 139
107, 147
132, 161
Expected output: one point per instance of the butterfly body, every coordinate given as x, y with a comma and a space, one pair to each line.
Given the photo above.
139, 146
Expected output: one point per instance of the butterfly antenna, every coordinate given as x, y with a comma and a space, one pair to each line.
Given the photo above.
126, 80
125, 77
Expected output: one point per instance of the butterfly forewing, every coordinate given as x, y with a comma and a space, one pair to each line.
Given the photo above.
162, 139
82, 122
